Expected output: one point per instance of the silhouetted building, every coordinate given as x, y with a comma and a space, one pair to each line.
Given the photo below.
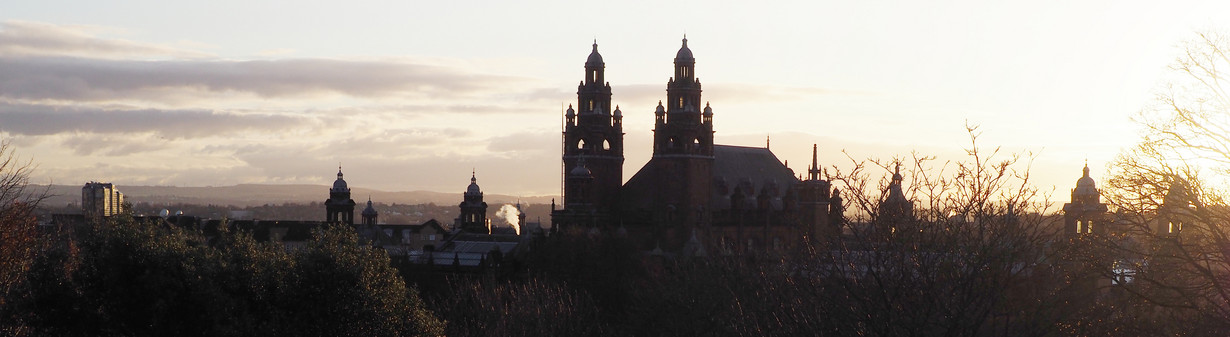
101, 199
339, 208
691, 192
1086, 214
369, 214
895, 211
473, 216
1177, 209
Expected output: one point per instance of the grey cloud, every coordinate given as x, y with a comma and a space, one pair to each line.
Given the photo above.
112, 145
404, 110
36, 120
35, 38
82, 79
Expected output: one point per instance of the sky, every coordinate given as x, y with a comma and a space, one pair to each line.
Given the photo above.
408, 95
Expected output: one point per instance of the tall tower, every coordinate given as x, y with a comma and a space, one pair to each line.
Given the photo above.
473, 217
101, 199
1086, 213
369, 214
339, 208
593, 134
814, 204
683, 147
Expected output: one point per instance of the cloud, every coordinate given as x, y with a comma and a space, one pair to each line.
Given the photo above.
23, 38
38, 120
83, 79
113, 145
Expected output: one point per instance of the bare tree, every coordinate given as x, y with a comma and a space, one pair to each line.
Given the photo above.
957, 248
18, 226
1171, 188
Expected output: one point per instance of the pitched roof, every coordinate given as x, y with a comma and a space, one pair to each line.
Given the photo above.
757, 164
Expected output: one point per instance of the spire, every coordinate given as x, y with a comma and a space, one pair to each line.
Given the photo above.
813, 172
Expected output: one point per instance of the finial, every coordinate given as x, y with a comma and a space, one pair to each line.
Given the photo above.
685, 39
766, 141
595, 44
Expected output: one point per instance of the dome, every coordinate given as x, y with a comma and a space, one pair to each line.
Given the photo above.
1085, 185
684, 53
339, 184
595, 59
661, 110
708, 110
618, 113
473, 188
369, 210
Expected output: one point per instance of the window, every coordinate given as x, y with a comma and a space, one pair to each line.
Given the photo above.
681, 102
431, 237
591, 105
581, 144
606, 145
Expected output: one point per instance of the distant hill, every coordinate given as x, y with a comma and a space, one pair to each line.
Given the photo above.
256, 195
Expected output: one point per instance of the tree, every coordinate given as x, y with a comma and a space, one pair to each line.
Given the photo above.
128, 277
958, 248
18, 226
1171, 192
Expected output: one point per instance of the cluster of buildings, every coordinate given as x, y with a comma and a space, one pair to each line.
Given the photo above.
695, 197
467, 244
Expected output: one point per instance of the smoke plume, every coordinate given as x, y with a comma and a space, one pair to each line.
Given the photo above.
509, 213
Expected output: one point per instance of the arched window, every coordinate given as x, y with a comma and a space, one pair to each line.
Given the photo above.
581, 144
606, 145
591, 105
681, 102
